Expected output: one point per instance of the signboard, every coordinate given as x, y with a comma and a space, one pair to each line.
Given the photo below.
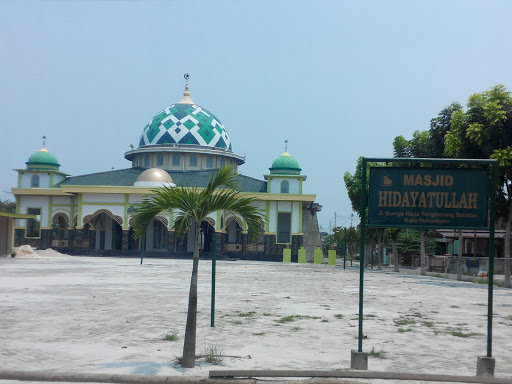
428, 198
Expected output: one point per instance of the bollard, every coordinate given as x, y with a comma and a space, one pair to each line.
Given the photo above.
302, 255
319, 257
331, 254
287, 255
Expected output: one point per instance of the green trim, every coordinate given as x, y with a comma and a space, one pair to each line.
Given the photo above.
50, 210
79, 214
300, 219
218, 221
71, 213
17, 215
300, 186
51, 179
17, 198
267, 221
19, 179
269, 182
244, 225
126, 206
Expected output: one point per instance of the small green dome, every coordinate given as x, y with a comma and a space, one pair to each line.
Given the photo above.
43, 160
285, 165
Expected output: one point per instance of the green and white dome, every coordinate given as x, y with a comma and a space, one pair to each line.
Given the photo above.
285, 165
185, 123
43, 160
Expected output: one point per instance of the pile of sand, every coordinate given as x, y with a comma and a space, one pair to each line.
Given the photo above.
26, 251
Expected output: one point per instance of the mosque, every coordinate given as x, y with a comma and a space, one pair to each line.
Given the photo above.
182, 145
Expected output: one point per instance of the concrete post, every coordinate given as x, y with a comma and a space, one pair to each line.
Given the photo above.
287, 255
318, 257
485, 366
302, 255
331, 253
359, 360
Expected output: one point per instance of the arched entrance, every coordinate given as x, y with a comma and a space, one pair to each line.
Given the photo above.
60, 227
233, 239
156, 235
108, 230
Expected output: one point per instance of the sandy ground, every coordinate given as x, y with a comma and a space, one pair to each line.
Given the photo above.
109, 315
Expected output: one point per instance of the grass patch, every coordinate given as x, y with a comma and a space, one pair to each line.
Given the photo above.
171, 336
258, 333
325, 320
460, 333
338, 316
428, 324
267, 314
213, 354
296, 329
247, 314
237, 322
509, 318
403, 330
403, 321
378, 354
292, 318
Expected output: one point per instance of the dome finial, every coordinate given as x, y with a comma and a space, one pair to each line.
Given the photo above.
44, 141
286, 145
186, 95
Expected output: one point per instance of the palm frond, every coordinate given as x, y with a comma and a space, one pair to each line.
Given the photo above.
193, 205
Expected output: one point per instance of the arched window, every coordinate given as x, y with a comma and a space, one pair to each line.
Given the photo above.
285, 186
34, 181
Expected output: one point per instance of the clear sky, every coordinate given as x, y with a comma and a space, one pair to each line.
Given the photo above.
337, 79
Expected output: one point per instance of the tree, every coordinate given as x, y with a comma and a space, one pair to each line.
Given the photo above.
7, 206
392, 234
409, 242
353, 184
485, 131
191, 206
337, 238
439, 126
419, 146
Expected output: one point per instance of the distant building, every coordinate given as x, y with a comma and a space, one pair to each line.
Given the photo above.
181, 145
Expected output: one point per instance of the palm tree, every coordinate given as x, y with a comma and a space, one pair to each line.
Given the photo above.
191, 206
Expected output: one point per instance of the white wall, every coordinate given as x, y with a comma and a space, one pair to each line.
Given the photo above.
103, 198
44, 179
275, 185
41, 202
272, 217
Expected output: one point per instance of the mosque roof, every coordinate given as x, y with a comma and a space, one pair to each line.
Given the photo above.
185, 123
285, 164
43, 160
127, 177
